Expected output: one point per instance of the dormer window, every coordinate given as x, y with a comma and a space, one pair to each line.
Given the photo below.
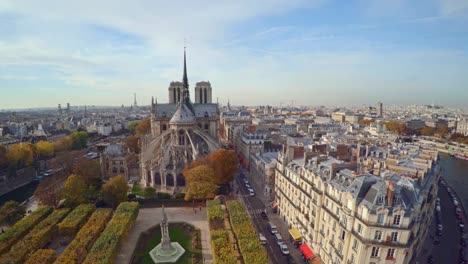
381, 199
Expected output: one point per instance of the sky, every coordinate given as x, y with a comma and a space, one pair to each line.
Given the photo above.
316, 52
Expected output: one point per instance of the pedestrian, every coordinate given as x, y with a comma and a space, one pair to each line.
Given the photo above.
200, 208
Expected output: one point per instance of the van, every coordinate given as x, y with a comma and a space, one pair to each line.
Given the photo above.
279, 239
272, 227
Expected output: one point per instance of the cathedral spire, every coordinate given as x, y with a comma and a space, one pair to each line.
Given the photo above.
186, 92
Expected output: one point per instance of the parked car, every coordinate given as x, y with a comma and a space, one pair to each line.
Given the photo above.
455, 202
262, 238
438, 209
440, 227
264, 215
462, 226
438, 199
284, 249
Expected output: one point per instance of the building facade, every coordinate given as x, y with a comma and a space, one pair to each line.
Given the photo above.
347, 214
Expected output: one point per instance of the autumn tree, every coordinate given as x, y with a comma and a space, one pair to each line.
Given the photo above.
132, 126
366, 122
63, 144
200, 183
20, 154
11, 212
395, 126
198, 162
65, 161
224, 163
115, 191
45, 149
144, 127
3, 157
74, 190
133, 143
48, 192
427, 131
442, 129
88, 170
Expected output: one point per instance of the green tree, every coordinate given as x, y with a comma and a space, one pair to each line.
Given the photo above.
74, 190
132, 126
115, 191
200, 183
79, 140
11, 212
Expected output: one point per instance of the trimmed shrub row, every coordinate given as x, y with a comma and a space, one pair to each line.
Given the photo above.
42, 256
251, 249
36, 239
21, 228
214, 210
222, 249
77, 250
73, 222
105, 248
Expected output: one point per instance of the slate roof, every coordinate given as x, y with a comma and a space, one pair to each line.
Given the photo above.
200, 110
183, 115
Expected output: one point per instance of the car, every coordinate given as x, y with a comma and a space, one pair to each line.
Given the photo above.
440, 227
438, 209
262, 238
438, 199
251, 193
455, 202
284, 249
247, 186
461, 225
263, 214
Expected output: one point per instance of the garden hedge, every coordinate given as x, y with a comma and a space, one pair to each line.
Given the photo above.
251, 249
214, 210
36, 239
42, 256
77, 250
22, 227
106, 247
222, 248
73, 222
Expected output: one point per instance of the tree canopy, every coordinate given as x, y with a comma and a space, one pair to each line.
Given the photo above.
200, 183
74, 190
143, 128
45, 149
89, 170
11, 212
115, 191
395, 126
224, 163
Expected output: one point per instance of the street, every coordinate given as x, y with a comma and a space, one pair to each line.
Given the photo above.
445, 248
255, 206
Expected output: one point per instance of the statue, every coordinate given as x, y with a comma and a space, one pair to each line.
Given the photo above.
166, 251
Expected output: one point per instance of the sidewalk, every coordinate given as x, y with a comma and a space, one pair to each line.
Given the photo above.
283, 229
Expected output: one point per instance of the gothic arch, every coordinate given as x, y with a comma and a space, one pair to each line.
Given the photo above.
157, 178
169, 180
180, 180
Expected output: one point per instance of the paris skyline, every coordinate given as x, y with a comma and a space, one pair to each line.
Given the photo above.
267, 52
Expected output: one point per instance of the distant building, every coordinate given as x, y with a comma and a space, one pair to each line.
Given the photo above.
462, 127
380, 109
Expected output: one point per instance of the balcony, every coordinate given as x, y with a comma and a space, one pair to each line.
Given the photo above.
385, 243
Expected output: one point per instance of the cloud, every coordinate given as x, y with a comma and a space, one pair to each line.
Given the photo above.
453, 7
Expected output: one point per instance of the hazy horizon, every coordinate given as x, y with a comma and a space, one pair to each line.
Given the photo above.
318, 52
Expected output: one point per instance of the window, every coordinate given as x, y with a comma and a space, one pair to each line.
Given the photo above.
121, 163
114, 170
351, 259
334, 225
378, 235
340, 248
396, 219
207, 126
381, 199
345, 221
375, 252
359, 228
122, 170
380, 218
390, 253
342, 236
394, 236
355, 244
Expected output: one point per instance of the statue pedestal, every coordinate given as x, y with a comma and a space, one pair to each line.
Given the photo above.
159, 255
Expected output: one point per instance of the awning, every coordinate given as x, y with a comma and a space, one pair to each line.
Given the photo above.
306, 251
295, 234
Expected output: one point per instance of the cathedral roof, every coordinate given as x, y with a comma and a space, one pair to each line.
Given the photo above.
200, 110
183, 115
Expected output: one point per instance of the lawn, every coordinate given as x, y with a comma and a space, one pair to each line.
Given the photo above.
178, 232
137, 190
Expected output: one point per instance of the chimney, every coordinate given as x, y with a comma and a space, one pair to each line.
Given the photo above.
390, 189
